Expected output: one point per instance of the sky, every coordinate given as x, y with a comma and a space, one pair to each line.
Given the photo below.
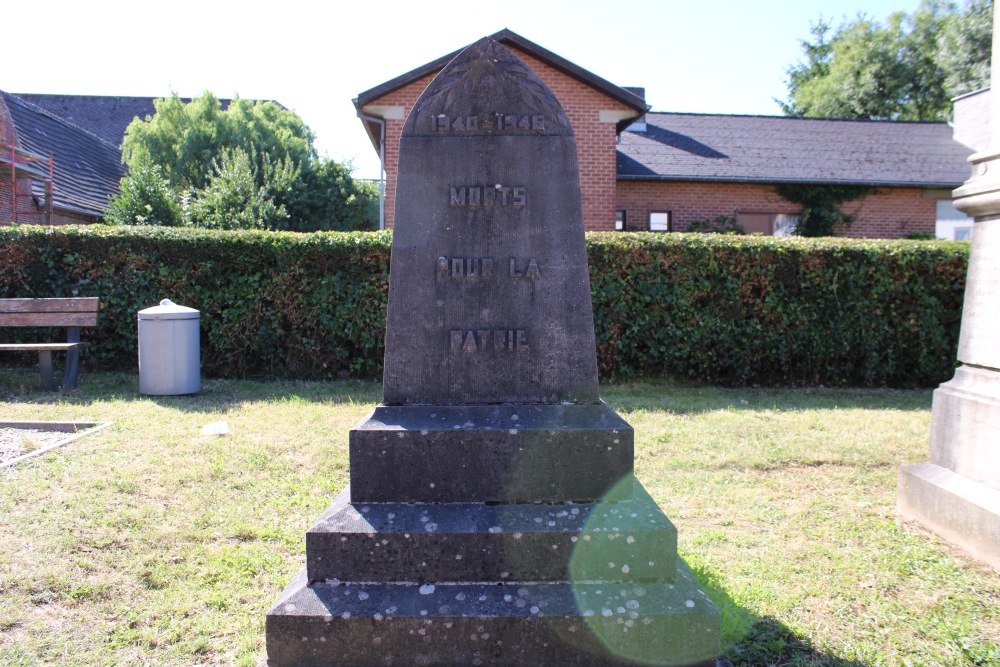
315, 57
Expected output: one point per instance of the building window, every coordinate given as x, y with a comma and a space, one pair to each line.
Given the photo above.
963, 233
620, 218
785, 224
659, 221
768, 224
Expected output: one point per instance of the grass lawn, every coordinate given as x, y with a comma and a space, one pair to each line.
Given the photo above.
150, 543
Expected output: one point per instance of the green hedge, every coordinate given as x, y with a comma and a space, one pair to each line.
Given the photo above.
721, 309
762, 310
272, 303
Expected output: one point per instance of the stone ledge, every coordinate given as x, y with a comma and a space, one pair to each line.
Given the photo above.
965, 425
631, 540
493, 623
489, 453
962, 511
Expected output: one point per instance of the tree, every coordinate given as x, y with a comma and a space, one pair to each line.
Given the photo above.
237, 196
252, 165
326, 197
906, 69
964, 48
145, 199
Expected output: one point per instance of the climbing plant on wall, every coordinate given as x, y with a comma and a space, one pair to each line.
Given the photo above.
821, 205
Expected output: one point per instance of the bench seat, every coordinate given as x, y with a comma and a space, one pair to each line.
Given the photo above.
50, 347
70, 314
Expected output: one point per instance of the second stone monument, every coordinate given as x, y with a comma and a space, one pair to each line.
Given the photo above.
492, 516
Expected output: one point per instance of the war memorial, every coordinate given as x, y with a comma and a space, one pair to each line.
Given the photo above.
492, 516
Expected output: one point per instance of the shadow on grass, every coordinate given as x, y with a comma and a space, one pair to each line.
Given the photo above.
23, 384
694, 399
750, 640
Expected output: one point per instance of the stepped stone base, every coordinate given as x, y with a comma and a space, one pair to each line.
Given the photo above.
478, 542
494, 584
961, 510
585, 624
965, 425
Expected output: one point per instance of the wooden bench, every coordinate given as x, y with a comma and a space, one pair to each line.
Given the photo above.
70, 314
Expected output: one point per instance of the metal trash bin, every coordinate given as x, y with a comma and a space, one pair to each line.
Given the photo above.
169, 350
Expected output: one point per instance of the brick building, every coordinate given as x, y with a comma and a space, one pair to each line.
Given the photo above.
643, 170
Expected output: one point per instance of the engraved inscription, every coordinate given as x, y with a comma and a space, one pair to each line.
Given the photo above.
465, 267
488, 195
530, 271
486, 340
500, 122
444, 123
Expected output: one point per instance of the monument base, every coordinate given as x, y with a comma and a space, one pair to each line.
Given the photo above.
494, 584
522, 453
584, 624
961, 510
624, 541
965, 425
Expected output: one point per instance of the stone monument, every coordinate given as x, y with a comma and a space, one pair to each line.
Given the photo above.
492, 516
956, 494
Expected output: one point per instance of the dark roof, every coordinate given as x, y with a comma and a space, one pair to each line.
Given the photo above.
103, 115
87, 169
708, 147
107, 116
508, 38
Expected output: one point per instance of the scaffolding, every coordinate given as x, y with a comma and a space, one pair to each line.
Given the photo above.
19, 167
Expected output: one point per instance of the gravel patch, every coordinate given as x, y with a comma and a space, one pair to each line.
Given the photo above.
16, 442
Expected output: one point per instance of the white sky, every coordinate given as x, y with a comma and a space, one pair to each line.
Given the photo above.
726, 56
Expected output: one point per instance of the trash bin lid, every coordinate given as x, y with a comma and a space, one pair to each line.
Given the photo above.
168, 310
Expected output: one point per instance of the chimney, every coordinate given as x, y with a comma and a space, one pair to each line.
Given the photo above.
639, 124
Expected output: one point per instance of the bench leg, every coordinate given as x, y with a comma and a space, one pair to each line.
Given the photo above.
45, 366
72, 359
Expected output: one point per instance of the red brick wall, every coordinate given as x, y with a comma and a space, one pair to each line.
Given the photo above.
595, 141
26, 210
7, 136
404, 97
889, 213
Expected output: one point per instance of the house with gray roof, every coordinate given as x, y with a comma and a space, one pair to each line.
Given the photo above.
52, 171
687, 167
651, 171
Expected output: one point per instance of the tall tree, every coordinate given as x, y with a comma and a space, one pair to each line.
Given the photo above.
964, 48
907, 68
251, 165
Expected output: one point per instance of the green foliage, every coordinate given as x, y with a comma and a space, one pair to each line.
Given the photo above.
964, 48
718, 308
742, 310
908, 68
145, 199
821, 206
723, 224
272, 303
185, 138
237, 197
327, 198
251, 166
